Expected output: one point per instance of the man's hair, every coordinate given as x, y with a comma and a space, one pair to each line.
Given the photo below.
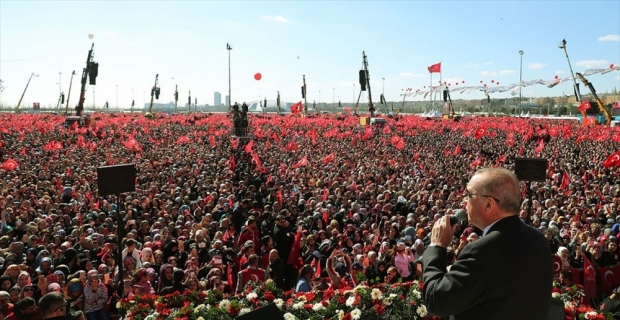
502, 184
50, 302
26, 302
253, 259
567, 274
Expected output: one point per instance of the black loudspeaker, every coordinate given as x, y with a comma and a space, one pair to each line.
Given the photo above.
157, 91
556, 310
457, 118
362, 74
445, 96
116, 179
303, 92
269, 311
93, 73
62, 98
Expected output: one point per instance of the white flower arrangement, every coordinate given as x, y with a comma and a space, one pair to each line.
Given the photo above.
224, 304
356, 314
289, 316
318, 307
244, 311
422, 311
251, 295
350, 301
376, 294
279, 303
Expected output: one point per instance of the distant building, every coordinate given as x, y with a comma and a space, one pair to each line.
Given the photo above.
217, 98
227, 100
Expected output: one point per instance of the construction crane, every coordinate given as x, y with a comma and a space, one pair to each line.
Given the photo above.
90, 72
154, 94
599, 103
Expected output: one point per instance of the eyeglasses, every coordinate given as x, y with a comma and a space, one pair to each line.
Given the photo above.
468, 195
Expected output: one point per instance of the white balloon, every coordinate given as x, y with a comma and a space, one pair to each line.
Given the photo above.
90, 36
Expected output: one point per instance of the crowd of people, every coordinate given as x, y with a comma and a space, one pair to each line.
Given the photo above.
310, 203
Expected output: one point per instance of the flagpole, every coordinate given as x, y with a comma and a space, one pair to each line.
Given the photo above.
431, 91
440, 81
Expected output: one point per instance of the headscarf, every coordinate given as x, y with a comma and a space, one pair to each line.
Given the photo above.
565, 262
39, 258
44, 259
27, 275
163, 282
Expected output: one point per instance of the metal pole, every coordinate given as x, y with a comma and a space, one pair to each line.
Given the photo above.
69, 93
577, 93
228, 47
383, 91
353, 92
117, 96
305, 97
120, 245
520, 79
60, 82
334, 97
26, 88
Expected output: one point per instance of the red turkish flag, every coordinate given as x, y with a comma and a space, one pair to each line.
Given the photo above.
294, 255
296, 108
132, 144
387, 130
212, 141
608, 277
329, 158
616, 105
476, 162
292, 146
400, 145
183, 139
318, 269
589, 279
280, 199
541, 145
249, 146
613, 160
234, 144
480, 132
229, 277
565, 181
457, 150
231, 163
585, 106
510, 142
435, 68
9, 165
557, 265
301, 163
325, 194
314, 136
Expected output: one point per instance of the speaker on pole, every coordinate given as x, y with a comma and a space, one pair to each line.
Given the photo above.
362, 74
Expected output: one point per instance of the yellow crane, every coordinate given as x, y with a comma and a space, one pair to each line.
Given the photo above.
599, 103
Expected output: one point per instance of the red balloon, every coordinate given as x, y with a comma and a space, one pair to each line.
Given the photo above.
485, 84
456, 84
611, 66
497, 82
258, 76
480, 81
556, 77
463, 81
448, 84
492, 81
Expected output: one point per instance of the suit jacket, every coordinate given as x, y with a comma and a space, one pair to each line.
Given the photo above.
507, 274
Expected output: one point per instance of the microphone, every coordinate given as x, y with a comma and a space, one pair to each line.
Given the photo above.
459, 216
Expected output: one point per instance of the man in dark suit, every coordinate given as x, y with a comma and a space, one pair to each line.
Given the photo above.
506, 274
